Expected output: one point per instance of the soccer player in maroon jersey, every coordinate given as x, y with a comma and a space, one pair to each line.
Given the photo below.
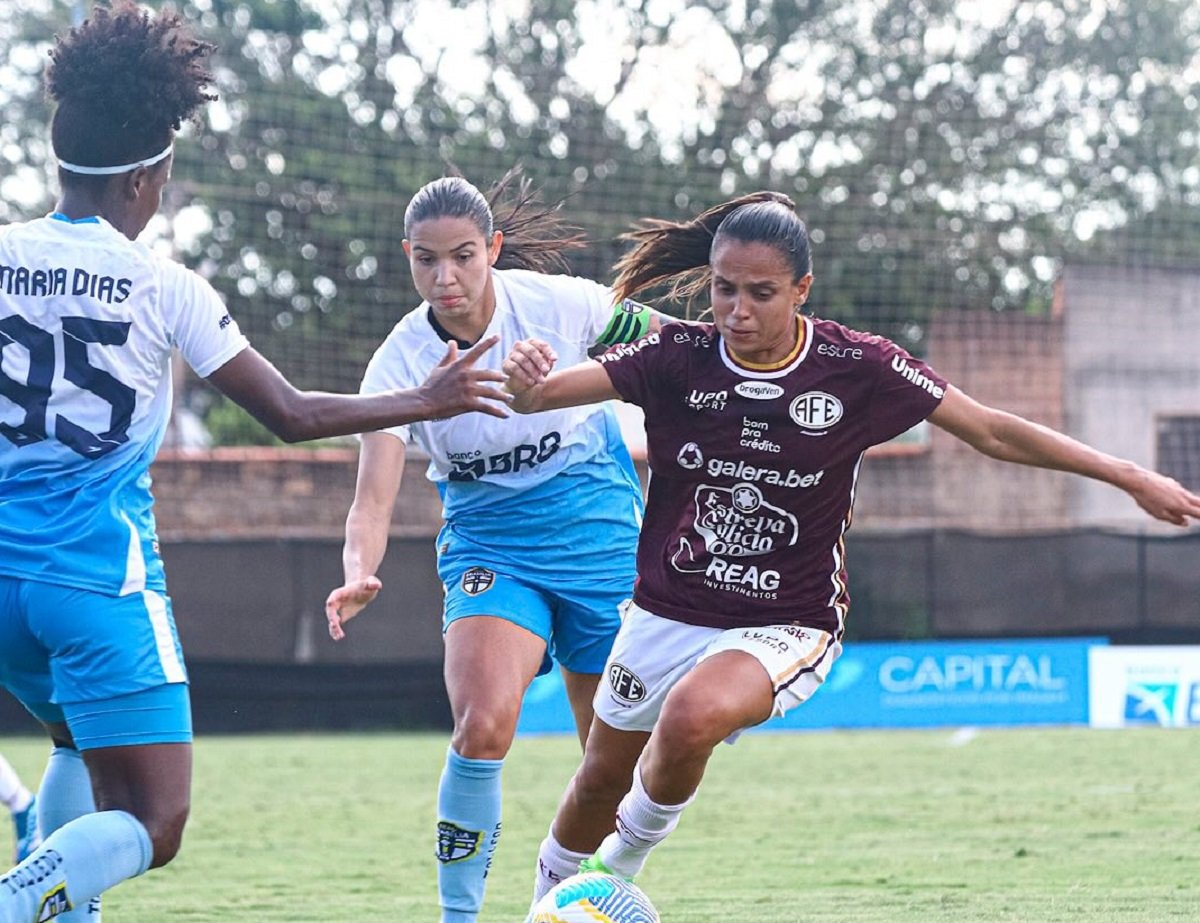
756, 424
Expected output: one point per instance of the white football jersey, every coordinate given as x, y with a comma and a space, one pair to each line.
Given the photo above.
88, 320
485, 452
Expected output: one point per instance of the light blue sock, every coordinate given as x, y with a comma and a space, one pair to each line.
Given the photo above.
468, 830
65, 794
78, 861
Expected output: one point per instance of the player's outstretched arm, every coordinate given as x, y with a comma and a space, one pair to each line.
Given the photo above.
1008, 437
534, 387
380, 471
455, 386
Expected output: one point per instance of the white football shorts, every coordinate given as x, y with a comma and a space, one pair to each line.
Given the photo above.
651, 654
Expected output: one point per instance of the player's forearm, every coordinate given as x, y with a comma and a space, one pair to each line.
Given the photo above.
366, 543
1027, 443
585, 383
319, 414
293, 415
529, 400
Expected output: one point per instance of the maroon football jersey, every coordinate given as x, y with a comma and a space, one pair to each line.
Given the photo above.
753, 472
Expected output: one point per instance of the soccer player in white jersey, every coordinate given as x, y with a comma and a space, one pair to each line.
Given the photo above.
88, 321
541, 512
756, 428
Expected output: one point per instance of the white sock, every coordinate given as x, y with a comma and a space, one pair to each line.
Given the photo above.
642, 824
555, 863
13, 793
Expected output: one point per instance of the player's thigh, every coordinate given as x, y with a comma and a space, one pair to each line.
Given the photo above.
490, 660
649, 656
489, 664
150, 781
720, 696
795, 660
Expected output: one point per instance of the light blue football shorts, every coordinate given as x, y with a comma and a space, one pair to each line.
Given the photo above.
109, 666
578, 624
558, 561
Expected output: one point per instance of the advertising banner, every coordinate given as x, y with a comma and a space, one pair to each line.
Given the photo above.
940, 683
1145, 686
913, 684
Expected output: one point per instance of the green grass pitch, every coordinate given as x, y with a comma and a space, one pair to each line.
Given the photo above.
1010, 826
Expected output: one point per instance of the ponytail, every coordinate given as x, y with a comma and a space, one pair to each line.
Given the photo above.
678, 253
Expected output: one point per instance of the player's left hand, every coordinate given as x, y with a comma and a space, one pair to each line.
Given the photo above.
1165, 498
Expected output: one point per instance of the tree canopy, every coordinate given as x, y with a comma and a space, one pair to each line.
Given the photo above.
944, 154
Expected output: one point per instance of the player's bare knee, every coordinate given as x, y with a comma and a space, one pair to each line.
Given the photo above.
691, 723
483, 734
166, 835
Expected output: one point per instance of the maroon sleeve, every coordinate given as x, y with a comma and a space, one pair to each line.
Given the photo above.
906, 393
644, 370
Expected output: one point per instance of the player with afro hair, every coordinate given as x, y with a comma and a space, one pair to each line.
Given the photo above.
89, 319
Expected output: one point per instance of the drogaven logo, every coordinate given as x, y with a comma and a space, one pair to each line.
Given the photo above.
816, 410
759, 390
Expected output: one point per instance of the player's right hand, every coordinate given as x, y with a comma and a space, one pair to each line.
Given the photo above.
455, 386
347, 601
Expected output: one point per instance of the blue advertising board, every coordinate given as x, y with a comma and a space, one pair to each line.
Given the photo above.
912, 684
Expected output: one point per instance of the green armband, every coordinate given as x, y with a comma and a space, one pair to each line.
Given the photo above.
630, 321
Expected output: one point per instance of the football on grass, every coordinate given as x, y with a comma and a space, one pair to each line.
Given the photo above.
594, 898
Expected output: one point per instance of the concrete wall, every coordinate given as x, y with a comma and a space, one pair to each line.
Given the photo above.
276, 492
1130, 354
1013, 362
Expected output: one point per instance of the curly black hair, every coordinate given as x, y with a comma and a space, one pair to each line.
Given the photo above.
125, 80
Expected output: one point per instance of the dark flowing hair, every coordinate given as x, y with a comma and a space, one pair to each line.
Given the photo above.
124, 82
535, 235
677, 254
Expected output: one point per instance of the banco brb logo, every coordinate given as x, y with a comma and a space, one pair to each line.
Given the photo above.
816, 410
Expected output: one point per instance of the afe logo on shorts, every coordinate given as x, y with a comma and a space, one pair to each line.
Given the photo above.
454, 843
625, 685
477, 580
816, 410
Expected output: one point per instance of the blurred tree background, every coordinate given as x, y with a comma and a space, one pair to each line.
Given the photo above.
944, 154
